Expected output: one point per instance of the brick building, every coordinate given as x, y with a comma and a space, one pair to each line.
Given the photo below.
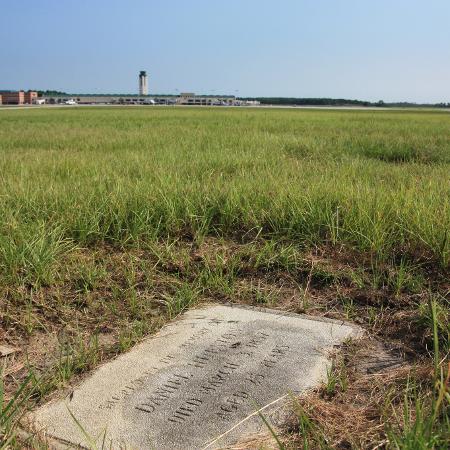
30, 97
18, 98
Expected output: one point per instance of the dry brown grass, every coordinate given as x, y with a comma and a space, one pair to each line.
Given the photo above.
107, 298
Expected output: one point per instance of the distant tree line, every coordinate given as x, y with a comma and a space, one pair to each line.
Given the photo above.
309, 101
337, 102
50, 93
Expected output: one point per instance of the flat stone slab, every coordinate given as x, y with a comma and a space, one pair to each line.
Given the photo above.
198, 383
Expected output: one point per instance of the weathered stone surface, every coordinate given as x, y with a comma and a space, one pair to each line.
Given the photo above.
189, 386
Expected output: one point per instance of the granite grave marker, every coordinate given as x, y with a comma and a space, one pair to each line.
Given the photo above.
198, 382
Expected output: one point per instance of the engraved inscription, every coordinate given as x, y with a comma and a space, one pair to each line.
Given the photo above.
185, 410
194, 384
219, 377
232, 404
224, 342
278, 352
255, 378
257, 340
227, 342
163, 393
168, 359
195, 337
125, 392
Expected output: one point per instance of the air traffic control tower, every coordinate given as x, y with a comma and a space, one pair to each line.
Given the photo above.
143, 86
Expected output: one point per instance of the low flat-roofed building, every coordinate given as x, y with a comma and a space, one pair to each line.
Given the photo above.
182, 99
13, 98
30, 97
205, 100
18, 97
100, 99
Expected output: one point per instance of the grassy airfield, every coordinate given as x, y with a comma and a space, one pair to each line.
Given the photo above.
115, 220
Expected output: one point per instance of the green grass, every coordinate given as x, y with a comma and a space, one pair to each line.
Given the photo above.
426, 418
11, 411
115, 220
375, 181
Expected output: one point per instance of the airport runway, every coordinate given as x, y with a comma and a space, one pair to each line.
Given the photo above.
346, 108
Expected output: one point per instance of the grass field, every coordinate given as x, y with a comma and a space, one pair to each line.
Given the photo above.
115, 220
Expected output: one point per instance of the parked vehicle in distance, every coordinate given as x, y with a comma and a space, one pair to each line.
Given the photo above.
71, 101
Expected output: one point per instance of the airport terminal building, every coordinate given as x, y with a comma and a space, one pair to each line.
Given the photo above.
186, 99
182, 99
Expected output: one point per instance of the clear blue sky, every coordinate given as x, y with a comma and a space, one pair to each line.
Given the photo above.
366, 49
